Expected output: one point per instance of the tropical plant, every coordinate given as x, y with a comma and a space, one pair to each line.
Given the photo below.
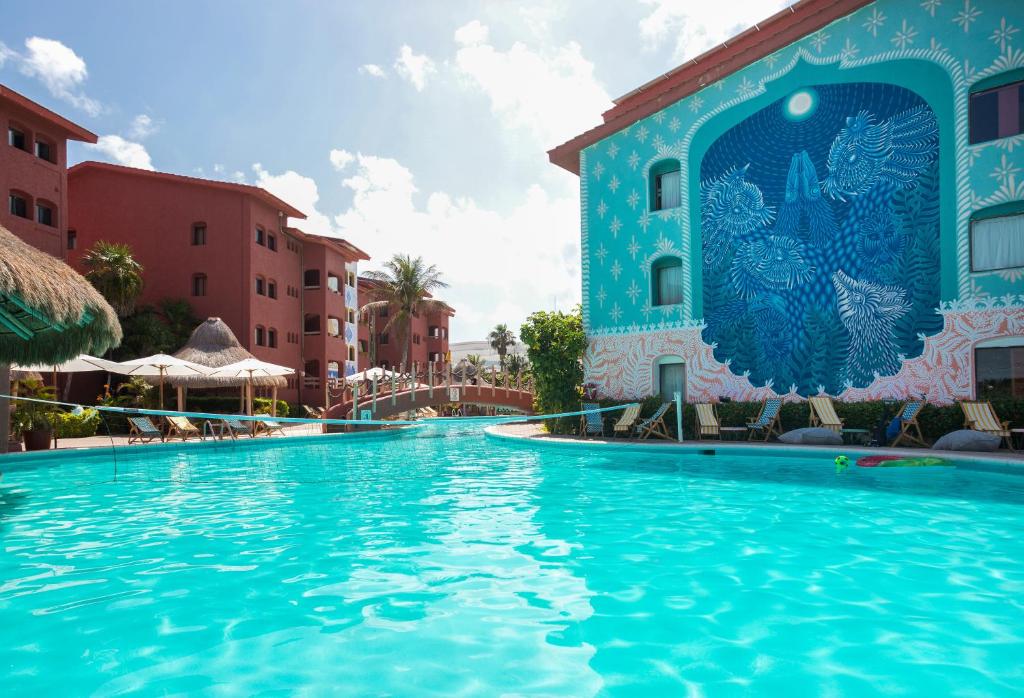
115, 273
406, 284
501, 339
516, 365
476, 361
33, 416
555, 343
156, 330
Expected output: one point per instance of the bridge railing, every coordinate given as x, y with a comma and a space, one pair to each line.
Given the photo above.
431, 376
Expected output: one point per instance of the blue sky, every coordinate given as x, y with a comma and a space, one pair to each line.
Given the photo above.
415, 127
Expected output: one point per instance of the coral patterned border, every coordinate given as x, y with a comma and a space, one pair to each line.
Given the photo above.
621, 366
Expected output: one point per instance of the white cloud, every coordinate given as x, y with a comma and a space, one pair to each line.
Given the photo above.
142, 127
341, 159
415, 68
299, 191
373, 70
122, 152
500, 266
60, 69
698, 26
551, 93
5, 54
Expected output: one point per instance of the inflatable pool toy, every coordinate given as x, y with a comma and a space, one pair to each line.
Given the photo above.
901, 462
842, 463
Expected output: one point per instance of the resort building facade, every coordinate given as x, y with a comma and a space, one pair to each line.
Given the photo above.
832, 202
226, 248
33, 171
383, 347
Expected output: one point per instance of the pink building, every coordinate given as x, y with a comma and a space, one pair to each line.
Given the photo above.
380, 347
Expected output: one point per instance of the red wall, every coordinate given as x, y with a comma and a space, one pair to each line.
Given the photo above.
390, 354
23, 171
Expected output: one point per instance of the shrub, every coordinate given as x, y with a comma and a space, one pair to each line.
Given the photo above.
229, 404
554, 344
73, 426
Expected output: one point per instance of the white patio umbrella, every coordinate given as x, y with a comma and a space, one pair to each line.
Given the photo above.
159, 366
369, 374
82, 363
253, 368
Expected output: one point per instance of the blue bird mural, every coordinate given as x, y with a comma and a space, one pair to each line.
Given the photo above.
731, 207
869, 312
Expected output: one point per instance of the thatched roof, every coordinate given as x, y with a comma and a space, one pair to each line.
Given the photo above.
48, 312
213, 344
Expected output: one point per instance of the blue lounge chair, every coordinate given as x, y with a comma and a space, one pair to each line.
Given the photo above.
655, 424
592, 423
269, 426
769, 421
910, 430
234, 427
143, 430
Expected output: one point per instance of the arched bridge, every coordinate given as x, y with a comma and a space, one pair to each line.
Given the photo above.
390, 404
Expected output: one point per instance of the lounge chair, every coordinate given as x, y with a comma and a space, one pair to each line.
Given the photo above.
269, 426
981, 416
910, 430
707, 423
627, 420
142, 429
591, 423
183, 427
312, 413
769, 421
655, 424
234, 427
823, 414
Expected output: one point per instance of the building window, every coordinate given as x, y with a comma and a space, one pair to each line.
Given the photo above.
665, 182
272, 242
311, 324
261, 286
312, 368
999, 371
18, 205
364, 346
415, 339
45, 214
434, 356
996, 111
997, 241
272, 289
667, 281
260, 336
16, 138
351, 353
272, 338
383, 312
332, 283
199, 284
382, 338
72, 239
333, 326
351, 279
44, 151
351, 316
261, 236
311, 278
199, 234
433, 331
670, 372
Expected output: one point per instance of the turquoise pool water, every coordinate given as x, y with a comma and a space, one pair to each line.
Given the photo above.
453, 564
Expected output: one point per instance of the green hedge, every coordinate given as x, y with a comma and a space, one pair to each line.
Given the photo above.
934, 420
74, 426
228, 404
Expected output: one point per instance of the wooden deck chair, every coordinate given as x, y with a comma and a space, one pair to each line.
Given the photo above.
910, 430
591, 423
981, 416
234, 427
769, 421
627, 420
270, 426
143, 430
183, 427
655, 424
823, 414
707, 423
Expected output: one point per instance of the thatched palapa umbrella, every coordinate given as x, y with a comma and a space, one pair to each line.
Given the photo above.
213, 344
48, 314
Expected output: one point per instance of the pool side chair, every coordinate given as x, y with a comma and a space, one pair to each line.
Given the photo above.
234, 427
981, 416
181, 427
823, 414
769, 421
270, 427
591, 423
655, 424
142, 430
910, 430
317, 413
707, 424
627, 420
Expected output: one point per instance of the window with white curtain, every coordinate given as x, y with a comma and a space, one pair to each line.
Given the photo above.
997, 242
671, 379
667, 281
665, 183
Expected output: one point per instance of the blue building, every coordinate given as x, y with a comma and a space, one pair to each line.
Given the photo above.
832, 202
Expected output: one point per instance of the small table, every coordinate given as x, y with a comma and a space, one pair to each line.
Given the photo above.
722, 431
861, 435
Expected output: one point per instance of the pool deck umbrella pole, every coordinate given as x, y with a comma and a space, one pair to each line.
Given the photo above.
48, 314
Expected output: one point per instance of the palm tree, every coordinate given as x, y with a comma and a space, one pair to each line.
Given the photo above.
516, 364
115, 273
405, 288
476, 361
501, 339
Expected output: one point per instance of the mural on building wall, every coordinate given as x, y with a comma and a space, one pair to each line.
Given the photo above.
820, 226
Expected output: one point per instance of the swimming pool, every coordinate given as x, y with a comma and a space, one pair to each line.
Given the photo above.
448, 563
